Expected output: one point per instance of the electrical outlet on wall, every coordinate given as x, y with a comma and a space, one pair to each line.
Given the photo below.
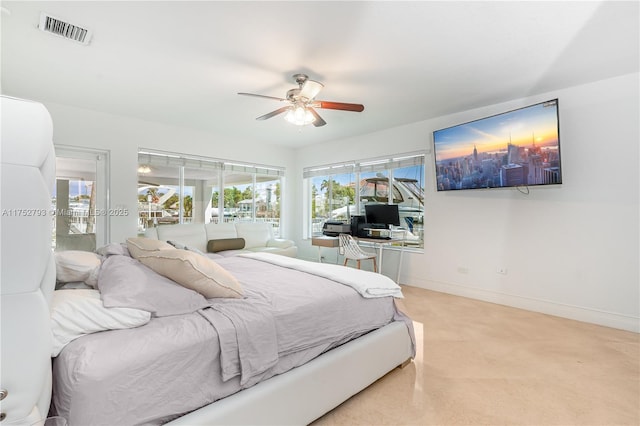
501, 270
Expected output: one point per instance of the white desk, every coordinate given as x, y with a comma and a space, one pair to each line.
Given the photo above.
378, 243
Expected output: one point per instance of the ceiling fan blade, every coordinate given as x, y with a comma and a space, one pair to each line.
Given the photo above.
318, 121
310, 89
339, 105
261, 96
273, 113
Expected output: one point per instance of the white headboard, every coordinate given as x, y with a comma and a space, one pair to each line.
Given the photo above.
27, 269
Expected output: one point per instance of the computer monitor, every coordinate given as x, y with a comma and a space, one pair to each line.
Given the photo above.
387, 214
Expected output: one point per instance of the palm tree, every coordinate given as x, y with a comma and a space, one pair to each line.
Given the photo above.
154, 194
188, 206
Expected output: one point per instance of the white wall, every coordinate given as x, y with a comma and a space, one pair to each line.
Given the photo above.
570, 250
122, 136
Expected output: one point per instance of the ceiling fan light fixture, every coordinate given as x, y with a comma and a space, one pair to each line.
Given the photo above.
299, 115
310, 89
301, 103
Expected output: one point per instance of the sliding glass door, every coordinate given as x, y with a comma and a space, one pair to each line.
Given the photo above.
80, 199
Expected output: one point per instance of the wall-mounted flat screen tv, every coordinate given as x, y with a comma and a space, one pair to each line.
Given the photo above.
517, 148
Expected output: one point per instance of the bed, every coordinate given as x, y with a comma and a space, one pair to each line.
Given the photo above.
298, 339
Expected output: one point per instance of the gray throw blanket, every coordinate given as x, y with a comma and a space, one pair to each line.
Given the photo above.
247, 335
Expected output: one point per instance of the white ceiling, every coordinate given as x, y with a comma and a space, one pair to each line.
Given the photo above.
182, 63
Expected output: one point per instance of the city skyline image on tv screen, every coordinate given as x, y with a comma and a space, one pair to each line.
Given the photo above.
512, 149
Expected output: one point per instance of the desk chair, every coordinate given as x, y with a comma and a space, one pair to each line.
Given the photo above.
352, 251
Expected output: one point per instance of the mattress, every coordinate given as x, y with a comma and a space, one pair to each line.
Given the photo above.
181, 361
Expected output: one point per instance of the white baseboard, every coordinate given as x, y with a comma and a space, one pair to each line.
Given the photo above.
578, 313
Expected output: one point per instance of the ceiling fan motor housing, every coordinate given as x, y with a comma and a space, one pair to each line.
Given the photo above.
293, 94
300, 78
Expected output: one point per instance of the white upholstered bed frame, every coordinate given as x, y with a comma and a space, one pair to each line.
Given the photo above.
28, 279
27, 270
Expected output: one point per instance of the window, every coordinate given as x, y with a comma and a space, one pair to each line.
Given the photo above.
333, 197
267, 200
176, 188
340, 190
79, 199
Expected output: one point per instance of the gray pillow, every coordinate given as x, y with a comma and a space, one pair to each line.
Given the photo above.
112, 249
177, 245
181, 246
222, 244
126, 283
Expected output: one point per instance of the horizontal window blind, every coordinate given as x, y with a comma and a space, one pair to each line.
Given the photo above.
370, 165
153, 158
259, 170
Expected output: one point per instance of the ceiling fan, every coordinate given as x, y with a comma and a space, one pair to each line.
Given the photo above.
302, 103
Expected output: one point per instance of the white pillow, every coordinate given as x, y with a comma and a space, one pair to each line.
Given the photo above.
75, 265
75, 313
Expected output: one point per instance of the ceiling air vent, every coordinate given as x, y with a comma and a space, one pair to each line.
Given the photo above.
56, 26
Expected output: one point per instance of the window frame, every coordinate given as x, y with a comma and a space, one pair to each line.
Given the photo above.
102, 182
371, 166
223, 170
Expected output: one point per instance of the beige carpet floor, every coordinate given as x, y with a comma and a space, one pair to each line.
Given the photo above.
480, 363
